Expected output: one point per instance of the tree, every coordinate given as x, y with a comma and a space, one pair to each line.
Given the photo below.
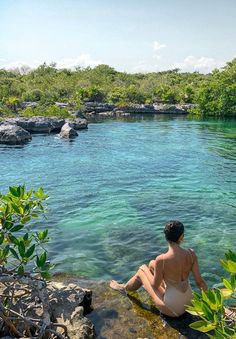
24, 265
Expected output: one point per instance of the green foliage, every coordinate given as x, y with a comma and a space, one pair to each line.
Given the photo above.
214, 93
21, 246
210, 305
51, 111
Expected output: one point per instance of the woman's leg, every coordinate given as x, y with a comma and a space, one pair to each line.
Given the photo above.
157, 294
162, 287
144, 279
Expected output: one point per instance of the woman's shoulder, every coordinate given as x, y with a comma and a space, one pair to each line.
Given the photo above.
191, 252
159, 258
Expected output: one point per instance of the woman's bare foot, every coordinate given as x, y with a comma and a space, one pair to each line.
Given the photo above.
118, 287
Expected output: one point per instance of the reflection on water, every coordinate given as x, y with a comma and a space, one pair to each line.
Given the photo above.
114, 187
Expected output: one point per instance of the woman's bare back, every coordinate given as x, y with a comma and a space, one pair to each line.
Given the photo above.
177, 264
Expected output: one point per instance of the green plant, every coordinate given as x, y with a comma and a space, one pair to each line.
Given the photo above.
211, 306
21, 244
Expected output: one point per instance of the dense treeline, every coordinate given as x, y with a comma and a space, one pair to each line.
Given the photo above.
214, 93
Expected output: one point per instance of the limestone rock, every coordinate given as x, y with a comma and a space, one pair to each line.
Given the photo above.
98, 107
67, 131
11, 134
78, 123
38, 124
69, 304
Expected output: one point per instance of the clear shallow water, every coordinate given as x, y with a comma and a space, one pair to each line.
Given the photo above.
113, 188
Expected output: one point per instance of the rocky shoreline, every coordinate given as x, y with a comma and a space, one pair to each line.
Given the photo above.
18, 131
133, 316
92, 109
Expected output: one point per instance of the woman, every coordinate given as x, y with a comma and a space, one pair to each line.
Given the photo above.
166, 278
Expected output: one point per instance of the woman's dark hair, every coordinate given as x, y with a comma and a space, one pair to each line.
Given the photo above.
173, 230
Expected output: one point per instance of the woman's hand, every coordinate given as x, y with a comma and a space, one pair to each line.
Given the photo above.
143, 267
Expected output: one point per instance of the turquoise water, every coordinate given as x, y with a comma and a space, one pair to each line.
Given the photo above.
113, 188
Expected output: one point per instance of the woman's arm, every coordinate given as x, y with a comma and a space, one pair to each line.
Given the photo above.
200, 282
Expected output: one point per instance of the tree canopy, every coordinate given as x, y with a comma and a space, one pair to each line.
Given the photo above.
214, 93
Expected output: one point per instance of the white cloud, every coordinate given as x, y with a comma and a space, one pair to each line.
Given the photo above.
157, 45
144, 67
194, 64
83, 60
157, 56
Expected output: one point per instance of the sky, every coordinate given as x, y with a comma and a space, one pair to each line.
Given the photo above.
129, 35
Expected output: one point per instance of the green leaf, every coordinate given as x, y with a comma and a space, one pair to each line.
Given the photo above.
16, 208
40, 261
14, 253
193, 311
232, 266
13, 239
43, 235
16, 228
26, 236
25, 219
43, 258
8, 224
21, 249
30, 251
227, 284
6, 251
229, 265
233, 281
14, 191
208, 312
226, 293
202, 326
230, 255
20, 270
21, 191
45, 274
1, 237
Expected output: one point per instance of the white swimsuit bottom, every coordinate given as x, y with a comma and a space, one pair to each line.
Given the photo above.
177, 297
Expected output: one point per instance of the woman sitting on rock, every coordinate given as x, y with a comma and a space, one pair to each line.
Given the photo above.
166, 278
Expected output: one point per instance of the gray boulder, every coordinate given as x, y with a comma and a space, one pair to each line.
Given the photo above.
98, 107
78, 123
11, 134
38, 124
67, 131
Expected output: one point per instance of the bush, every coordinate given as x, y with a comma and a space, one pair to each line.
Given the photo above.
211, 307
21, 246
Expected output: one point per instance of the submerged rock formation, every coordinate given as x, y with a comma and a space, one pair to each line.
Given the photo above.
11, 134
67, 132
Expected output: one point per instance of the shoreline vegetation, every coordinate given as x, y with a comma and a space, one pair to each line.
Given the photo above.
48, 91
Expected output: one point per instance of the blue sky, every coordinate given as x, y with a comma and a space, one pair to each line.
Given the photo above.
129, 35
